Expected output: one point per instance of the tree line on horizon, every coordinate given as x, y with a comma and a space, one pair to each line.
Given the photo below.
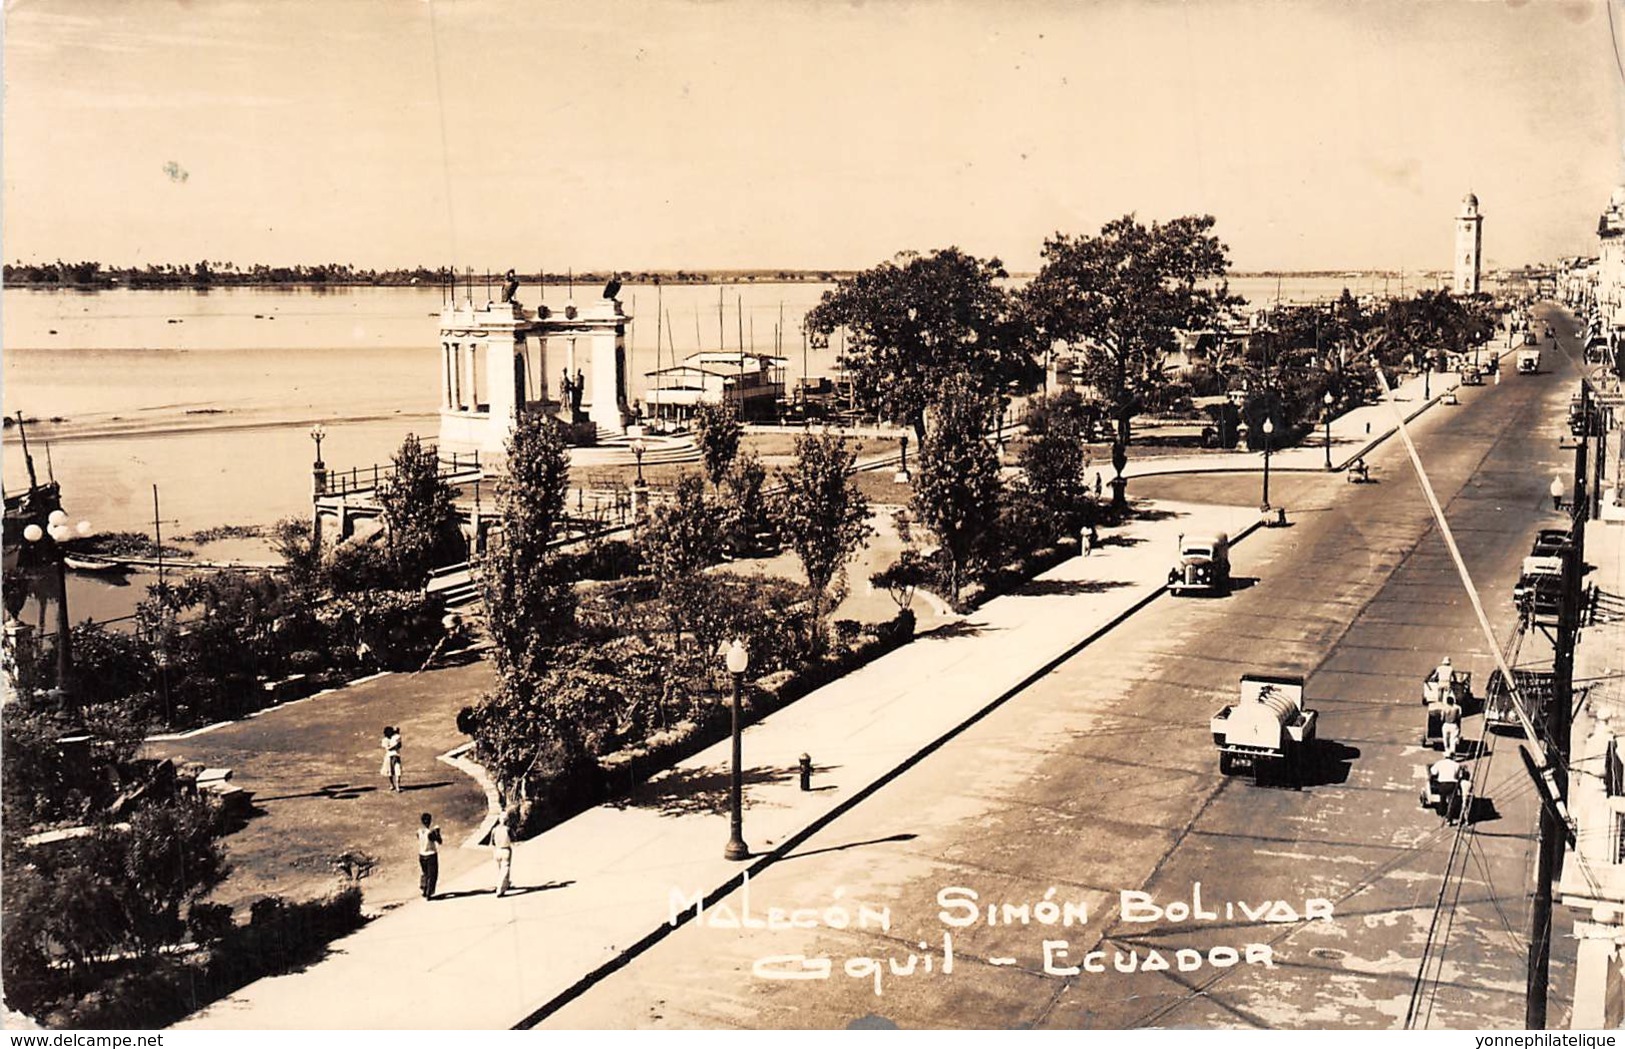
209, 274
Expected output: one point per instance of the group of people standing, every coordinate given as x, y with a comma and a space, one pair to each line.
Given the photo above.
430, 839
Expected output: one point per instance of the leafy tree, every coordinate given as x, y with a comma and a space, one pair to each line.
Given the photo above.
294, 540
532, 745
903, 577
42, 782
679, 541
821, 514
956, 494
117, 890
529, 602
1052, 468
717, 430
1121, 298
913, 323
357, 566
746, 513
419, 516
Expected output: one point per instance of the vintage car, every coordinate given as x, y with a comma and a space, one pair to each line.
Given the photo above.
1540, 593
1553, 542
1267, 729
1579, 418
1203, 566
1528, 362
1472, 375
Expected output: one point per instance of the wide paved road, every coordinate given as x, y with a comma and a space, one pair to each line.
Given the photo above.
1102, 778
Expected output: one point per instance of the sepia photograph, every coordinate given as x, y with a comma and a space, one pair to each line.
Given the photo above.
785, 515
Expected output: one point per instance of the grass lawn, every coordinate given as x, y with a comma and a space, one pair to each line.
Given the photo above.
314, 769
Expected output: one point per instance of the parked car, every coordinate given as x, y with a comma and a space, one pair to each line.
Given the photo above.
1540, 593
1553, 542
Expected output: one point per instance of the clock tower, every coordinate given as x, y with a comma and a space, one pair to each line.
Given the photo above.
1469, 245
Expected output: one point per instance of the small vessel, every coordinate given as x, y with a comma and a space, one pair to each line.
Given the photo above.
25, 508
83, 563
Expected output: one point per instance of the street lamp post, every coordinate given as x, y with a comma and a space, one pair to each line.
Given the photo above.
318, 469
737, 659
58, 531
638, 448
640, 491
1328, 400
902, 466
1269, 429
1427, 378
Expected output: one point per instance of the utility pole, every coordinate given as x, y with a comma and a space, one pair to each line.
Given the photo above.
1559, 711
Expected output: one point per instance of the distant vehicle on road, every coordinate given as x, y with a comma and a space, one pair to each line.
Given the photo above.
1267, 729
1579, 418
1472, 375
1528, 362
1203, 566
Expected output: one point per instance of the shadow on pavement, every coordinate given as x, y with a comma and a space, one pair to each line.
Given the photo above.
684, 792
1329, 764
513, 890
958, 628
1068, 587
849, 845
1142, 513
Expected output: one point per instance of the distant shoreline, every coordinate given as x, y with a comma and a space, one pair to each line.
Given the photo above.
93, 277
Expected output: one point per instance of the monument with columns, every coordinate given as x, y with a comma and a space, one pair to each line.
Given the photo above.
500, 359
1469, 246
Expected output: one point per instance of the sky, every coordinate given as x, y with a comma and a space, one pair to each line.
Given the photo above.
1322, 134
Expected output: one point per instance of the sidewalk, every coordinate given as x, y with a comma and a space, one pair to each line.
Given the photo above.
594, 889
1592, 886
1354, 435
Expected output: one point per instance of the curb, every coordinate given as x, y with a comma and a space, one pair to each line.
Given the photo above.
759, 863
493, 799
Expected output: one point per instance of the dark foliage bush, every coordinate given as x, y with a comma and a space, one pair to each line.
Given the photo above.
279, 937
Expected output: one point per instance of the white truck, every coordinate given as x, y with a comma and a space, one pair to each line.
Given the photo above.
1267, 729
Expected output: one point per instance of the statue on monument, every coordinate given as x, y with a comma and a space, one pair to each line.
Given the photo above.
510, 288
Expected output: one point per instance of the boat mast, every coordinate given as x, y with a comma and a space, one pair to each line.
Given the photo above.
158, 541
22, 430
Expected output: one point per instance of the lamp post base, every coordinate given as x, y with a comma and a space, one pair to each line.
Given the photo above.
736, 849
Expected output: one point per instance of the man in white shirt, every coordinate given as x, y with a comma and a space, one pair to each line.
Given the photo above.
428, 855
502, 852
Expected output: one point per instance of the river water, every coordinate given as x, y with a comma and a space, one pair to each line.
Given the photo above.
210, 394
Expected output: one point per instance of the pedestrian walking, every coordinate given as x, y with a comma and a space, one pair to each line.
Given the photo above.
1450, 724
1097, 484
392, 757
429, 842
1091, 539
1449, 778
502, 852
